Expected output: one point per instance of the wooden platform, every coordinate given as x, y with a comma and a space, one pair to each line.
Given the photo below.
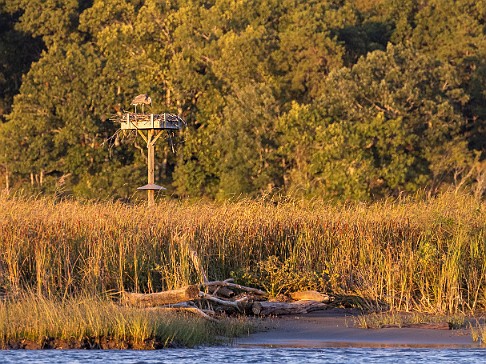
132, 121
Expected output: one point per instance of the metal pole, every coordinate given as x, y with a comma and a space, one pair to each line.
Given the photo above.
151, 167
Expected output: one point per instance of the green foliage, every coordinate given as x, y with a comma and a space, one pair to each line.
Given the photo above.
348, 99
278, 278
307, 50
247, 143
379, 128
52, 20
12, 62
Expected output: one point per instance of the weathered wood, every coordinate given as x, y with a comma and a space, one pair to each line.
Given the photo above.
310, 296
221, 291
150, 167
187, 308
266, 308
221, 302
161, 298
183, 240
132, 121
197, 264
154, 124
236, 286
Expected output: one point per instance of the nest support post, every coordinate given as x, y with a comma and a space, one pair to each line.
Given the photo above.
151, 138
151, 172
150, 128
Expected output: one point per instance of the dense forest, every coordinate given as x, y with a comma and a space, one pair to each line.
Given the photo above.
340, 99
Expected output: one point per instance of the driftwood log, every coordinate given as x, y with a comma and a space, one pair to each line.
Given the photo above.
221, 291
221, 302
222, 296
231, 285
186, 307
252, 301
310, 296
184, 294
266, 308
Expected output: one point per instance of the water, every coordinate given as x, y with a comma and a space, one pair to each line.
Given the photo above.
248, 355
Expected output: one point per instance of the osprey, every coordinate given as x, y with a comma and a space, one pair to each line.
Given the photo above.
142, 99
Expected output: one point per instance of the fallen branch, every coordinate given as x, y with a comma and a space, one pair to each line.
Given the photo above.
266, 308
221, 291
236, 286
188, 293
224, 303
310, 296
184, 240
188, 308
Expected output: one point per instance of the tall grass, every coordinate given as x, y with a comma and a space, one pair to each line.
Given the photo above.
427, 255
96, 322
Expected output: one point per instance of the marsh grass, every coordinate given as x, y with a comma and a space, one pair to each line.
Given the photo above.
478, 331
426, 255
95, 322
378, 320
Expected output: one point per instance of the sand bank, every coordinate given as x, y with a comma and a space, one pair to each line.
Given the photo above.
335, 328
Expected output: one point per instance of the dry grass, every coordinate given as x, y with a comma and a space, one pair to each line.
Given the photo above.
378, 320
96, 322
478, 331
427, 255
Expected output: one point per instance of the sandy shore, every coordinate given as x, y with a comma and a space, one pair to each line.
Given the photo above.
335, 328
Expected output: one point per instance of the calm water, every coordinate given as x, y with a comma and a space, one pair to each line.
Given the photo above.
249, 355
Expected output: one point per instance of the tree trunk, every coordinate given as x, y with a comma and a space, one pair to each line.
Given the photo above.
236, 286
266, 308
310, 296
161, 298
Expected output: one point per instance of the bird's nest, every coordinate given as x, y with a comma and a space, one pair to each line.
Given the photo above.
130, 121
143, 118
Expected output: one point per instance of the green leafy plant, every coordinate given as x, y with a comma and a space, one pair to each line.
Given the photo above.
277, 277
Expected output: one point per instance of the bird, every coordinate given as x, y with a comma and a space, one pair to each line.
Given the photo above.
142, 99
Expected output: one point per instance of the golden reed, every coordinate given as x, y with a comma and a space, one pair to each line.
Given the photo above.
427, 255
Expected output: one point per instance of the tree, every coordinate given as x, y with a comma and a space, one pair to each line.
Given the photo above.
307, 50
247, 142
303, 94
14, 62
454, 33
52, 20
377, 129
226, 53
59, 121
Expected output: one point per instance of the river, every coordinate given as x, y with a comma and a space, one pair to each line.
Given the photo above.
248, 355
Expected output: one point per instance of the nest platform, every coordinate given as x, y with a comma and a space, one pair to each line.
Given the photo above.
165, 121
